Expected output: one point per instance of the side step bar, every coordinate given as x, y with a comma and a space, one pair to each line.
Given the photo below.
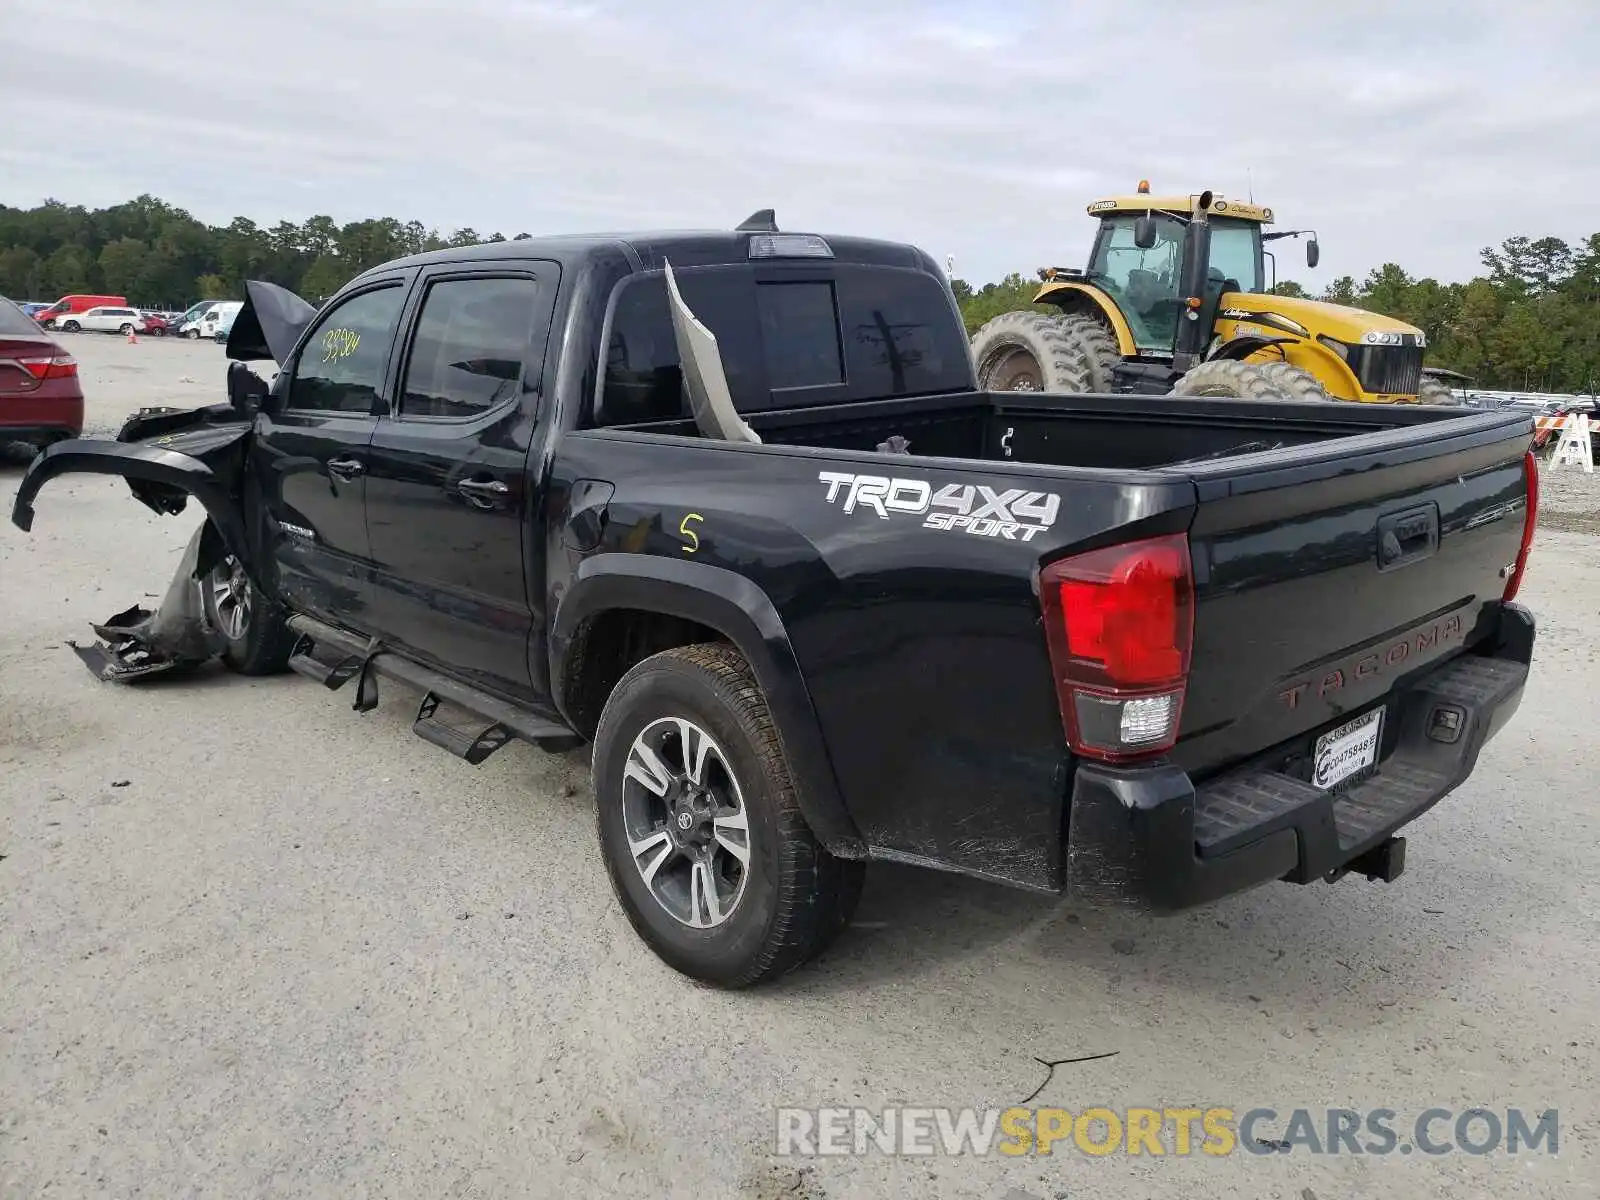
333, 657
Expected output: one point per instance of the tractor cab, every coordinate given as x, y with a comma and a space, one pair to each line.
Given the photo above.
1155, 255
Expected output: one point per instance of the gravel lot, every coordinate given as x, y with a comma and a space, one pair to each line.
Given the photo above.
254, 944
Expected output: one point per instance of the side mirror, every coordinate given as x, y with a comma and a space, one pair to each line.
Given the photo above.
1144, 232
1313, 253
246, 389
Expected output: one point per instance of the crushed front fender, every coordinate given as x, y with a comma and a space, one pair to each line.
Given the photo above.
204, 462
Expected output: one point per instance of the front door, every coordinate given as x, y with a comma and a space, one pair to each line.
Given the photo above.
310, 454
448, 496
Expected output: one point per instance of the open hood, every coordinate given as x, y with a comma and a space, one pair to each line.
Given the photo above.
269, 324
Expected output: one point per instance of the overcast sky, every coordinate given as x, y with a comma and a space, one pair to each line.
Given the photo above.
1415, 132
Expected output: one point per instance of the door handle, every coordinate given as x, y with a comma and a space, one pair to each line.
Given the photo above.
345, 468
483, 492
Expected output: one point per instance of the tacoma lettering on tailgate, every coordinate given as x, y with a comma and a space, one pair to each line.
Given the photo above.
1377, 661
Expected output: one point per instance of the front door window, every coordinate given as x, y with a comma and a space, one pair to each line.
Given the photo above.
342, 364
1144, 283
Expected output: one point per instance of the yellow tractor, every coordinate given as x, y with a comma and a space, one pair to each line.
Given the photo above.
1175, 300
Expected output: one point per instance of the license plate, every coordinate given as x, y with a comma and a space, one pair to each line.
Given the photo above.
1347, 750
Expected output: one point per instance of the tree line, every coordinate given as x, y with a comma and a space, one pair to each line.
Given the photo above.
160, 257
1529, 321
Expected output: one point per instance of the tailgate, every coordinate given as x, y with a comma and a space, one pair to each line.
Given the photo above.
1327, 574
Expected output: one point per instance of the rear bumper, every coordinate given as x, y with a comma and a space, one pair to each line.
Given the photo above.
1149, 838
51, 411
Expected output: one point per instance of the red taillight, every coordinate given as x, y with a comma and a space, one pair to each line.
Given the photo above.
1530, 517
59, 366
1119, 623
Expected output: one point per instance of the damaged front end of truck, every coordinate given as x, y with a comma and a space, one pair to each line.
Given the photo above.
168, 455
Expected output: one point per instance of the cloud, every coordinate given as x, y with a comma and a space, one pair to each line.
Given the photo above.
1414, 133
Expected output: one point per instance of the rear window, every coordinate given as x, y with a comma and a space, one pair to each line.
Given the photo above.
901, 335
864, 333
16, 323
800, 334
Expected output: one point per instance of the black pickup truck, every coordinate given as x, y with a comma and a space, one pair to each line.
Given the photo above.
1142, 650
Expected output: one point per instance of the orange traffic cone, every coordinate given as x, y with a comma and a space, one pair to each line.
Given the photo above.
133, 339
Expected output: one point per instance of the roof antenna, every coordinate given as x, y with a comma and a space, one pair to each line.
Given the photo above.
1250, 183
763, 220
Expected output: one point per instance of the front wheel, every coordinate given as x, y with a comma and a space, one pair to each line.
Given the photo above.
71, 327
701, 828
125, 329
193, 335
1278, 381
256, 638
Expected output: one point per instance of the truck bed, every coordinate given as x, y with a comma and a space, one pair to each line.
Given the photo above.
1302, 620
1108, 432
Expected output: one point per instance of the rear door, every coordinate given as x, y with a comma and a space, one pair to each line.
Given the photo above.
448, 495
311, 446
1327, 575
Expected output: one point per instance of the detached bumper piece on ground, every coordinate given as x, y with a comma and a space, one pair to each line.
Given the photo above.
176, 637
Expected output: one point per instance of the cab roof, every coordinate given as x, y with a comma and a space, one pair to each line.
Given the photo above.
1221, 206
685, 248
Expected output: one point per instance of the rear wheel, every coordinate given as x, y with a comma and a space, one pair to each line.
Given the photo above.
1030, 352
1250, 381
256, 638
700, 826
1098, 346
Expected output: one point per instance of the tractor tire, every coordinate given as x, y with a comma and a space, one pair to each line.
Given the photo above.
1432, 391
1099, 349
1030, 352
1277, 381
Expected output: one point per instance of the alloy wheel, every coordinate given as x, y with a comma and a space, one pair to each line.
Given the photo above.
230, 598
684, 816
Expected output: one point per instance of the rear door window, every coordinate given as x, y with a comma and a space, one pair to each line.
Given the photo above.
472, 341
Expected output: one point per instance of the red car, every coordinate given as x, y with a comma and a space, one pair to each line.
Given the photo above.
41, 400
155, 324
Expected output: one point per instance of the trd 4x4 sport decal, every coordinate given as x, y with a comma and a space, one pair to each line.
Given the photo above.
1013, 513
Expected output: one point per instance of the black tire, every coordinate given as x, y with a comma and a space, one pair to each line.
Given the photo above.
260, 643
1434, 391
1272, 381
71, 327
126, 328
1099, 347
192, 335
791, 899
1030, 352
